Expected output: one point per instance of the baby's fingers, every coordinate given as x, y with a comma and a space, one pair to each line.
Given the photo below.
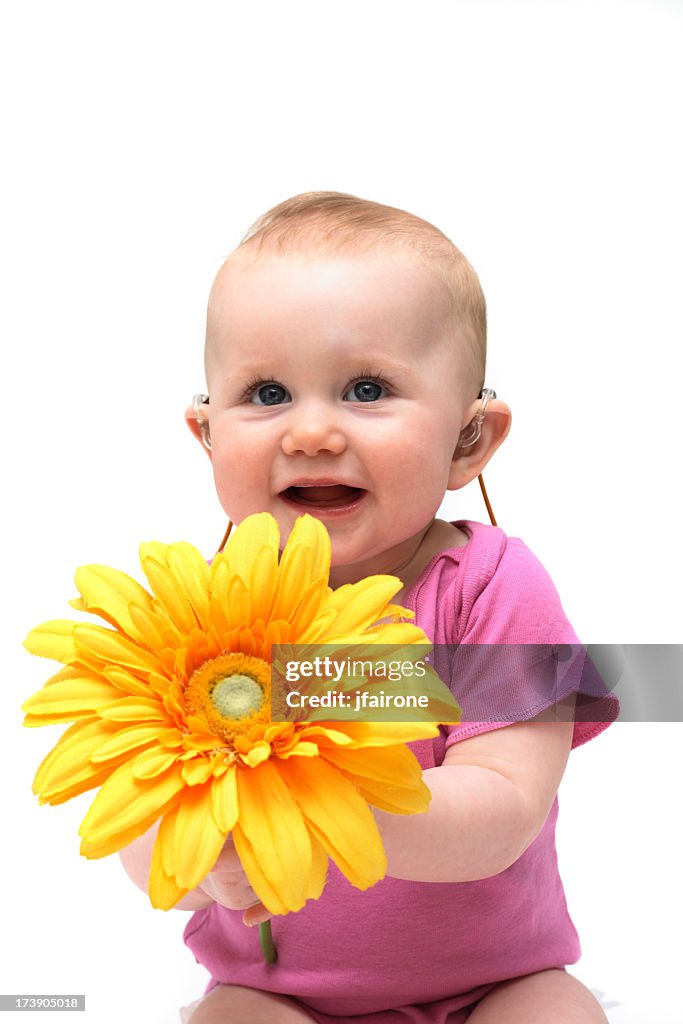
257, 914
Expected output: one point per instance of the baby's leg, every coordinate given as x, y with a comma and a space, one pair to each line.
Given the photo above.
234, 1004
538, 999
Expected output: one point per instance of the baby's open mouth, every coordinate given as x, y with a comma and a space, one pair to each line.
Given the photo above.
323, 496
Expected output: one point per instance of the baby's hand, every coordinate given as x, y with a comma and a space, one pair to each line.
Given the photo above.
228, 885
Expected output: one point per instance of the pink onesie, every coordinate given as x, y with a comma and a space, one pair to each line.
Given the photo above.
414, 951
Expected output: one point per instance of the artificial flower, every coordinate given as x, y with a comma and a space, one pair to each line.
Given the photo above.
171, 713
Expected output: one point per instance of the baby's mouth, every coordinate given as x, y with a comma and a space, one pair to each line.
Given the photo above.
323, 496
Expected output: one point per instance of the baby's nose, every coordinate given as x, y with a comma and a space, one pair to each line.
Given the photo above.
312, 429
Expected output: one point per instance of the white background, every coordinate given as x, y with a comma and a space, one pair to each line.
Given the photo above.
140, 141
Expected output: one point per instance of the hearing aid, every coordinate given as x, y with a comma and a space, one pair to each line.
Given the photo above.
200, 405
472, 431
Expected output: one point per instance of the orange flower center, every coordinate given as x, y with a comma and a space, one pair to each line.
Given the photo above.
231, 693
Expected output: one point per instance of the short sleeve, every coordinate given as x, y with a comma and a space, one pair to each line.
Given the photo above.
517, 653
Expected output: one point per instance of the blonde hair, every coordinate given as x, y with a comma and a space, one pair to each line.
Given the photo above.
334, 223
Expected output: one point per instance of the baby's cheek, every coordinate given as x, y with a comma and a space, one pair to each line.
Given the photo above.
232, 488
417, 473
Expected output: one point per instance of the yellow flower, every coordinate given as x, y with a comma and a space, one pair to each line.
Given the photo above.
171, 712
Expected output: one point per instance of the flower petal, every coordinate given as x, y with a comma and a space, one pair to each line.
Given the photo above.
125, 807
303, 574
67, 770
224, 805
133, 709
153, 762
152, 629
360, 605
308, 541
126, 682
311, 610
318, 872
126, 740
340, 818
394, 799
198, 838
325, 735
262, 582
102, 647
400, 634
300, 749
230, 604
383, 734
253, 868
172, 598
167, 842
53, 639
255, 533
257, 754
319, 630
164, 892
74, 697
197, 771
394, 766
274, 827
109, 593
194, 577
390, 778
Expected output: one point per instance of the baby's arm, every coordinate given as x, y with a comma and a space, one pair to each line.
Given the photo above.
490, 798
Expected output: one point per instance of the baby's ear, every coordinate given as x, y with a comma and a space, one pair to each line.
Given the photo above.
469, 462
197, 419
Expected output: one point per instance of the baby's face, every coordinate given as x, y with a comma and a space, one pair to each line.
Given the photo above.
336, 389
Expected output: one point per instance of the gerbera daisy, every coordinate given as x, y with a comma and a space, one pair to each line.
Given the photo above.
171, 712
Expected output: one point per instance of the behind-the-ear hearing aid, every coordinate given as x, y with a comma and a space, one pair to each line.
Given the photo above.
200, 405
472, 431
469, 438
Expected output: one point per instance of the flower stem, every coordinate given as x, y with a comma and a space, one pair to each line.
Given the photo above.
267, 945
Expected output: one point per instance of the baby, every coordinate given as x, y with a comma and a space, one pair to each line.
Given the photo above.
345, 358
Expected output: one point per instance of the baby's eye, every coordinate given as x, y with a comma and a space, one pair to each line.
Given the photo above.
365, 391
270, 394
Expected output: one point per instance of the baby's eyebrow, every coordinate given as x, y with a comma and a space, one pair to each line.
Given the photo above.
368, 364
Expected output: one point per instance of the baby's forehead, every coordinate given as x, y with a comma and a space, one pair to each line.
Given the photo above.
372, 277
370, 310
347, 300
